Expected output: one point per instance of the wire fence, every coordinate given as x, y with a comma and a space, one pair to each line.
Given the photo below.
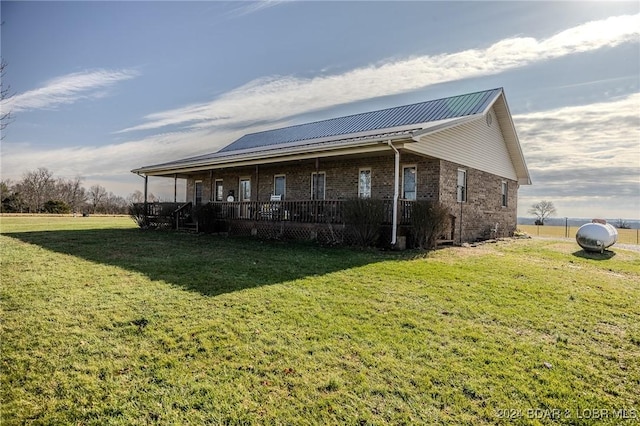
625, 236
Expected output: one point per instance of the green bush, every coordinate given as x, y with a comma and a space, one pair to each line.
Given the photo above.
56, 207
363, 218
429, 220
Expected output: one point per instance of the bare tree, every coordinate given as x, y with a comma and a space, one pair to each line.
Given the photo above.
97, 195
136, 197
5, 95
35, 188
71, 192
542, 210
114, 204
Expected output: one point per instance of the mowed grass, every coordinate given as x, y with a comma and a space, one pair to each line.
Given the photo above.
105, 324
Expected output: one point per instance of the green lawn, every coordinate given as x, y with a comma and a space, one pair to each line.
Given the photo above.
105, 324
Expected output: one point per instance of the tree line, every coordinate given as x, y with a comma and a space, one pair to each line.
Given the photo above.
40, 192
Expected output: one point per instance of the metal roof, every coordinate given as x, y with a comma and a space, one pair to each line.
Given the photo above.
423, 112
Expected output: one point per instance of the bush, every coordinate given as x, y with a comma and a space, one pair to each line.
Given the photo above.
139, 216
363, 217
56, 207
429, 220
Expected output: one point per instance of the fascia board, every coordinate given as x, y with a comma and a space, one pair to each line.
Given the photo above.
332, 151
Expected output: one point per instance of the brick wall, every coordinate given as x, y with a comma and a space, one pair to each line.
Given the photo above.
341, 178
483, 207
436, 180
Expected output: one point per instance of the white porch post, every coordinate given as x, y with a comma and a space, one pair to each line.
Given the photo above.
396, 195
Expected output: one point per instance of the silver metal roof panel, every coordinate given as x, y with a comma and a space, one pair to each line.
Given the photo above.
423, 112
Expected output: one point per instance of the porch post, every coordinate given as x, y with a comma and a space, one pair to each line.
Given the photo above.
257, 185
396, 195
212, 196
315, 187
146, 182
175, 188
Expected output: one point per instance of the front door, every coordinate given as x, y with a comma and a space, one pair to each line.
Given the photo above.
245, 197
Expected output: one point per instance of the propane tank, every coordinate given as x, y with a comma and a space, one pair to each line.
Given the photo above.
596, 236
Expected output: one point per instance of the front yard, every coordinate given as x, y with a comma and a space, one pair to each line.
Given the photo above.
103, 323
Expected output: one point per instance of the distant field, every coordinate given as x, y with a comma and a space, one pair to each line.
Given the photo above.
625, 236
105, 324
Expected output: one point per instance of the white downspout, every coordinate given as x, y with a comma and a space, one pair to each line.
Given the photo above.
396, 195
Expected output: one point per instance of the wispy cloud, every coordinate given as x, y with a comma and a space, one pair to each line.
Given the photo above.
249, 7
278, 97
68, 89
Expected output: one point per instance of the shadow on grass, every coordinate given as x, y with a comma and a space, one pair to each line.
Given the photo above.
606, 255
208, 264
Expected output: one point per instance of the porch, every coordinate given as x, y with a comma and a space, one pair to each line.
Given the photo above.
302, 211
327, 221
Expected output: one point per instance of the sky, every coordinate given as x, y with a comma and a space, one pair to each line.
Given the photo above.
101, 88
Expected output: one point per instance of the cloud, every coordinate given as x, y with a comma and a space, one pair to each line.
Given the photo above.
584, 154
273, 98
68, 89
249, 7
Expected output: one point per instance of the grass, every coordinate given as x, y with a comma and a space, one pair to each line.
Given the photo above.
105, 324
625, 236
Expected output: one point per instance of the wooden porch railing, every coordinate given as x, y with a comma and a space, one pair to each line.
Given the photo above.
302, 211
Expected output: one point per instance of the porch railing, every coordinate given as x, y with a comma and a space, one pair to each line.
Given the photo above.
303, 211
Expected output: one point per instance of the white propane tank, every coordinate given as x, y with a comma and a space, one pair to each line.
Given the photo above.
596, 236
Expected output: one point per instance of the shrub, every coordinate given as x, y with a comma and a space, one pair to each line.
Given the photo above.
429, 220
139, 216
363, 217
56, 207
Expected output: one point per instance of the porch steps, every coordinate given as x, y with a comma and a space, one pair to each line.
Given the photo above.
190, 227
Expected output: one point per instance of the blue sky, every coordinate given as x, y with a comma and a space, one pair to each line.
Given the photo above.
105, 87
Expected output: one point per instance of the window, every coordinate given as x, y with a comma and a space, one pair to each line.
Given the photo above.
462, 186
409, 182
318, 185
505, 193
279, 185
219, 190
245, 189
364, 183
198, 194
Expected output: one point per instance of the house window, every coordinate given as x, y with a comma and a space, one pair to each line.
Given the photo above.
279, 185
198, 194
364, 183
505, 193
462, 186
409, 182
219, 190
245, 189
318, 181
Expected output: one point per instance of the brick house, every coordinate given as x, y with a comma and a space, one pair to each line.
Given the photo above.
462, 151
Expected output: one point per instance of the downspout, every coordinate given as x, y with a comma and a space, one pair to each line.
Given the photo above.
396, 195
